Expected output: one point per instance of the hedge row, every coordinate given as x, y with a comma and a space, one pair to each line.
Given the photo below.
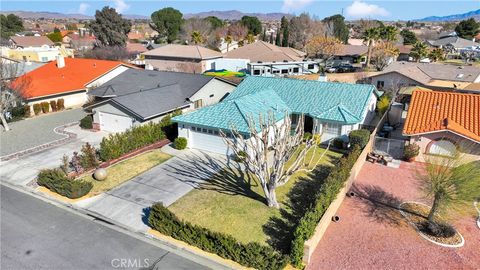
327, 194
117, 144
57, 181
250, 255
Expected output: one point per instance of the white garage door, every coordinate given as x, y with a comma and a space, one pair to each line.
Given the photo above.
443, 148
113, 122
207, 142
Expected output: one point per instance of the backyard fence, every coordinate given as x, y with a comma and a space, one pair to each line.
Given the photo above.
392, 147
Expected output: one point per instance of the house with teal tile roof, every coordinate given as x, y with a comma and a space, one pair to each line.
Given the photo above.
332, 109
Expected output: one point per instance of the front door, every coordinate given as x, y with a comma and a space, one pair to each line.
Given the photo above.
308, 127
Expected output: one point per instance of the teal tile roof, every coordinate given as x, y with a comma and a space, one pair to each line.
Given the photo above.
334, 102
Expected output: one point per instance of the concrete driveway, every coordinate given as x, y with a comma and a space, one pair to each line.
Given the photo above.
21, 171
128, 204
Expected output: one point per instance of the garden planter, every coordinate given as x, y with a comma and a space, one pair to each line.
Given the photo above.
100, 174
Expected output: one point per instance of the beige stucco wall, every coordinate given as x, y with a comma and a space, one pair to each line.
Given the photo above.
73, 100
178, 66
470, 150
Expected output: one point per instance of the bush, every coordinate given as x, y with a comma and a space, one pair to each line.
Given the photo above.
180, 143
326, 195
88, 158
57, 181
382, 104
359, 138
411, 151
16, 113
338, 143
251, 255
60, 104
45, 107
26, 111
307, 136
53, 105
117, 144
37, 108
86, 122
169, 128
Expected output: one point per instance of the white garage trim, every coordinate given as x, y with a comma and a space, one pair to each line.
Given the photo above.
113, 122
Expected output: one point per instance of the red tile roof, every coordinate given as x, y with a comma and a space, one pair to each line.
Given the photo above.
432, 111
75, 75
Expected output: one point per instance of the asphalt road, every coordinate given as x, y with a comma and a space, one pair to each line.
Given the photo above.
38, 235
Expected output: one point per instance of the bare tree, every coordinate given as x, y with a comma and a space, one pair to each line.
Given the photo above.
196, 30
276, 138
302, 28
237, 31
13, 90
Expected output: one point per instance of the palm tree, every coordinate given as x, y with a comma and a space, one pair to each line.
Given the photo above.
419, 51
449, 181
389, 33
250, 38
197, 37
370, 36
228, 40
436, 54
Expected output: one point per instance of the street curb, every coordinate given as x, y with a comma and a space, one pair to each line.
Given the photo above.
169, 246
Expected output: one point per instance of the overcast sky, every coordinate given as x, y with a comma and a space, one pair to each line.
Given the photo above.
384, 10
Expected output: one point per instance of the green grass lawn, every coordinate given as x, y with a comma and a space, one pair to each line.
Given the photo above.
126, 170
233, 203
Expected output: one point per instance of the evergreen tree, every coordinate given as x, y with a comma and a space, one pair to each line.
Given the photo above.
284, 30
271, 37
467, 29
110, 28
167, 22
278, 40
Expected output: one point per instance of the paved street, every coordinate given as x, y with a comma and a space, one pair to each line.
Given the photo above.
35, 131
166, 183
38, 235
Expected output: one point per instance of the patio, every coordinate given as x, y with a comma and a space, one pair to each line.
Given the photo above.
372, 234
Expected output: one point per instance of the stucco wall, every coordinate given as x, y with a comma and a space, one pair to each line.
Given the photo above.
470, 149
178, 66
393, 80
70, 100
212, 92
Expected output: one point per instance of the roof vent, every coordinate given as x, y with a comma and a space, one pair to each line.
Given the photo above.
459, 76
285, 61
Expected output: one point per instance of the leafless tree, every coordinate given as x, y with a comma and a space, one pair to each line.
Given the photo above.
237, 31
198, 25
277, 138
302, 28
13, 90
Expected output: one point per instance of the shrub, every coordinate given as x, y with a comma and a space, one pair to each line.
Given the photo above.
86, 122
169, 128
45, 107
338, 143
57, 181
60, 104
180, 143
88, 158
307, 136
382, 104
251, 255
53, 105
16, 113
118, 144
37, 108
411, 151
325, 196
359, 138
26, 111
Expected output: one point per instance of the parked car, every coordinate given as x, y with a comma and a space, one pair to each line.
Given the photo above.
345, 68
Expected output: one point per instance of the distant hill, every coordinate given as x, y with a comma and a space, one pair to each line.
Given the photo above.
457, 17
236, 15
57, 15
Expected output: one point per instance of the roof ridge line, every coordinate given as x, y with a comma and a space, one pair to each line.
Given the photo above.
147, 90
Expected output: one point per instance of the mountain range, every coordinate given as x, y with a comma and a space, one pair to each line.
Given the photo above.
456, 17
58, 15
237, 15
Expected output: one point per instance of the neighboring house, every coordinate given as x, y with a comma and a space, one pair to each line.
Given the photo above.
443, 122
37, 54
16, 68
453, 44
404, 52
336, 108
81, 41
140, 96
433, 76
135, 50
351, 54
68, 78
225, 47
24, 42
264, 59
182, 58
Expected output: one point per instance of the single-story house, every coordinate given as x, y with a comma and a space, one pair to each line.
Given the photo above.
182, 58
30, 42
443, 122
137, 96
430, 75
452, 43
268, 60
67, 78
404, 52
334, 109
351, 54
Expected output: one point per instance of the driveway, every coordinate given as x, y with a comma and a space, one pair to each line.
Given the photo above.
35, 131
21, 171
128, 204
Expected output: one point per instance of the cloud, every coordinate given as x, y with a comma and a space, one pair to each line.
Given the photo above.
292, 5
359, 9
121, 6
82, 9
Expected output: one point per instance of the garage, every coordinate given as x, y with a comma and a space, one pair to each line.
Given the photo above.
114, 123
206, 139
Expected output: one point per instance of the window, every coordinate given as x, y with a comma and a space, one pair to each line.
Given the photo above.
216, 132
442, 148
198, 103
44, 59
284, 71
256, 72
331, 128
204, 130
380, 84
295, 70
210, 131
276, 71
311, 66
194, 128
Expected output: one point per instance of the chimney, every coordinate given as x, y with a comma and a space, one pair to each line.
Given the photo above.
60, 61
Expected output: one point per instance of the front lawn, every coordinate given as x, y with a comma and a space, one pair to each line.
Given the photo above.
126, 170
233, 202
